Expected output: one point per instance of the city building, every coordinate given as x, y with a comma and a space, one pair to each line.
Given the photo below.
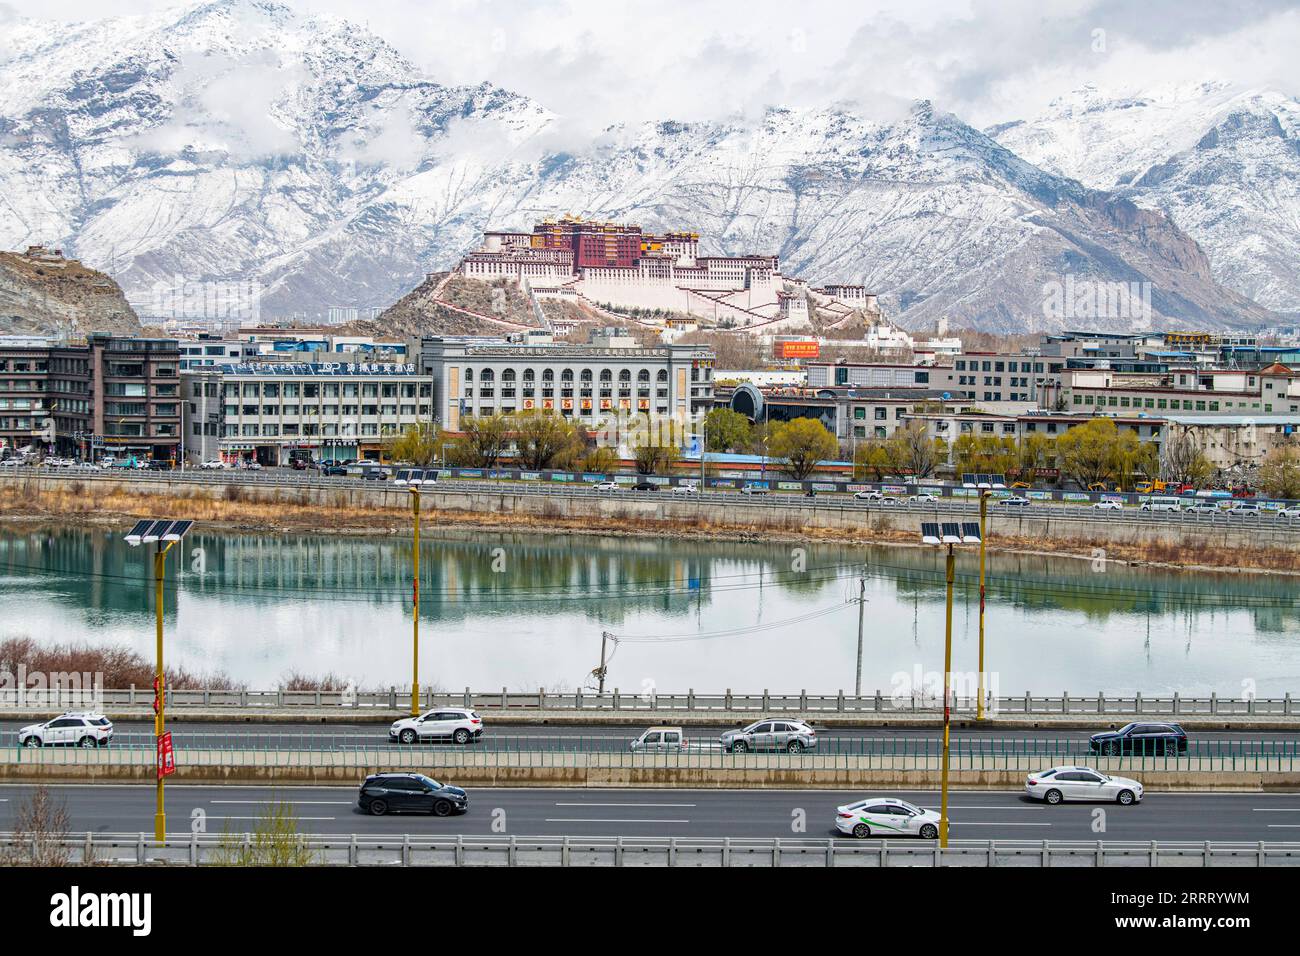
951, 427
1234, 442
610, 375
850, 414
135, 396
208, 349
44, 394
272, 412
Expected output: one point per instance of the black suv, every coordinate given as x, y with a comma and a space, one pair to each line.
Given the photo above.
1143, 739
410, 793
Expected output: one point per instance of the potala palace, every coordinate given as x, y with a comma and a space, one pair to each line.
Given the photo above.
620, 266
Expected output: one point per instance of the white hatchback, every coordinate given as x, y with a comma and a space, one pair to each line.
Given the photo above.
1082, 783
886, 816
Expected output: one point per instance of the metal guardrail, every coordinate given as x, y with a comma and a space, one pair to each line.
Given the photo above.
192, 849
1060, 749
772, 500
473, 760
505, 701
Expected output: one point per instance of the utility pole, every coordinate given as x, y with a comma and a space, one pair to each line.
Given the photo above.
862, 603
600, 671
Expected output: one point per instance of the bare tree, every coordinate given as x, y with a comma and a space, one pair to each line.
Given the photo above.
1184, 462
40, 832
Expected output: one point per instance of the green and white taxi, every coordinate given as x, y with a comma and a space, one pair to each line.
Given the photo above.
885, 816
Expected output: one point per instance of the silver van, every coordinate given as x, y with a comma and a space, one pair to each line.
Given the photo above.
1162, 504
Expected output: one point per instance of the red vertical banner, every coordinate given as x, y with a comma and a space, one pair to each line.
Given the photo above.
166, 756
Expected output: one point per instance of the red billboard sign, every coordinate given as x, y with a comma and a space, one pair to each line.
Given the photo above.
166, 756
798, 349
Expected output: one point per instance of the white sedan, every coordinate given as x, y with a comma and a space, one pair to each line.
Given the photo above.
923, 497
685, 490
885, 816
1082, 783
1109, 506
606, 486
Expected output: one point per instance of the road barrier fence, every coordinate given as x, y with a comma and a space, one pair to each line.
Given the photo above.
505, 702
193, 849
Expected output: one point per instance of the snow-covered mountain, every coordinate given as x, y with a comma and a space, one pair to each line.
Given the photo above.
240, 139
1222, 161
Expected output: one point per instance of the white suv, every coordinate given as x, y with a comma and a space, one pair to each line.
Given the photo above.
447, 723
80, 730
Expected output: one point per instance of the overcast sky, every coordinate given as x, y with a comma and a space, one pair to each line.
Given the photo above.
985, 60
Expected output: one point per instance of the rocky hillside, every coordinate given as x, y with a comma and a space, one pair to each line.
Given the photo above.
448, 304
43, 293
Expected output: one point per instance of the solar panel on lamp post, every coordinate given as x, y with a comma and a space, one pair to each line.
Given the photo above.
163, 533
948, 534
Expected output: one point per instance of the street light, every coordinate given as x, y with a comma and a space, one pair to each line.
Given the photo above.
948, 534
164, 533
415, 603
984, 514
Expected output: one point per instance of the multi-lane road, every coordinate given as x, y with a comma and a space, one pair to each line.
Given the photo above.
607, 739
765, 814
776, 499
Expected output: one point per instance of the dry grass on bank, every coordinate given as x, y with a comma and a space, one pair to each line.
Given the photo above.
284, 510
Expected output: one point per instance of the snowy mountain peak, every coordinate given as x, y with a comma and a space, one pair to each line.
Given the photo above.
241, 140
1223, 161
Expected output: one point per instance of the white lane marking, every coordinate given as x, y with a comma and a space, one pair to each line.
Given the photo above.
1276, 809
606, 820
585, 804
262, 818
994, 823
990, 806
296, 803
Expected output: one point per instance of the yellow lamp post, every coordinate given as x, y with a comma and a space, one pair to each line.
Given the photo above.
415, 604
984, 514
164, 533
947, 534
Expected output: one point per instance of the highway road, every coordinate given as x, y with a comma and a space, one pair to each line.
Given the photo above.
949, 507
604, 738
766, 814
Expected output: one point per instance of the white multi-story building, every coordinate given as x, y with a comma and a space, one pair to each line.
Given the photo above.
272, 412
589, 383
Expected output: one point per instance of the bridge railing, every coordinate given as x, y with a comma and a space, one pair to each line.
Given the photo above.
504, 702
193, 849
505, 746
195, 757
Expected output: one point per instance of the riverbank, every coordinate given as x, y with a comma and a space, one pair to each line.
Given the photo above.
289, 510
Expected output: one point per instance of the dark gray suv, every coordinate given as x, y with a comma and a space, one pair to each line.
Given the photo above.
771, 733
410, 793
